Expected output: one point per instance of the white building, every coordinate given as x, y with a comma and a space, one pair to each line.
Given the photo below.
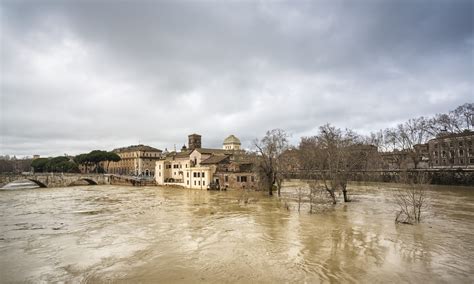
231, 143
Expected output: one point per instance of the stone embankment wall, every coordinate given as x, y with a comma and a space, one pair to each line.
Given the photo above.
434, 176
130, 181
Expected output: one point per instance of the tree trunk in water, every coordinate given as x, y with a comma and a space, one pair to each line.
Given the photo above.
279, 187
331, 193
344, 192
270, 189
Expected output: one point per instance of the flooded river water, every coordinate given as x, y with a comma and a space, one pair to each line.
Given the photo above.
153, 234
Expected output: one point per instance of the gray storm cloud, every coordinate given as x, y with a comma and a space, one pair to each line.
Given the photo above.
77, 76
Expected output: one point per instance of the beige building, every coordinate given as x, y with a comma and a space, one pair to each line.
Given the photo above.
452, 150
136, 160
196, 167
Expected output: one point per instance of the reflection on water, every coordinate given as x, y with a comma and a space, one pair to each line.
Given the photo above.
153, 234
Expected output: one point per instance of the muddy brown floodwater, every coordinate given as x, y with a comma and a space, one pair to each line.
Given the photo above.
153, 234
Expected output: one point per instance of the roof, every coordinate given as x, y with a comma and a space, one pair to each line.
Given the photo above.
139, 147
178, 155
465, 133
213, 151
232, 140
214, 159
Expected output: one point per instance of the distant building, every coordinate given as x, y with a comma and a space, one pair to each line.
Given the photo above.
135, 160
196, 167
452, 150
231, 143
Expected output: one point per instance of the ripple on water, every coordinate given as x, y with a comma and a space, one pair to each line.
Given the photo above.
115, 233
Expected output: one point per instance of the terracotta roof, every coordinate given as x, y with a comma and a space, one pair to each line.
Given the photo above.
214, 159
213, 151
139, 147
178, 155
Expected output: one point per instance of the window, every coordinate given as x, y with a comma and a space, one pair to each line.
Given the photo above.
198, 174
461, 161
199, 182
238, 178
471, 161
461, 152
203, 182
252, 178
187, 182
187, 174
194, 182
243, 179
226, 178
159, 167
202, 174
194, 174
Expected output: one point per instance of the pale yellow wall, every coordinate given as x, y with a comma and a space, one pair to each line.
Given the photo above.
231, 147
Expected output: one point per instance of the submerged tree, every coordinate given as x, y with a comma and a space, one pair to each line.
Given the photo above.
269, 163
332, 156
411, 199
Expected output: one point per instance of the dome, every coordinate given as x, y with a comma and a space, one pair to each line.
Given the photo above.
232, 140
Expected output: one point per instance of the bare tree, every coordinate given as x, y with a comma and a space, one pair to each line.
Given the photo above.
455, 121
270, 162
331, 157
411, 199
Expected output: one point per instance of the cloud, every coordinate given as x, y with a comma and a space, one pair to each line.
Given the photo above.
78, 76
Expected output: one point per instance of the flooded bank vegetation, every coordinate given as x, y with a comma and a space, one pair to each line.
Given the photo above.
333, 157
411, 199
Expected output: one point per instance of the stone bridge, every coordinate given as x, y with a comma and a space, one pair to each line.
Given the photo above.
54, 179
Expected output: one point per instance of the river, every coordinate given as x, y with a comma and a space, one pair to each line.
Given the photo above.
154, 234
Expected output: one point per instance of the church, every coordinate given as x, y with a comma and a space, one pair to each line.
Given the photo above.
197, 167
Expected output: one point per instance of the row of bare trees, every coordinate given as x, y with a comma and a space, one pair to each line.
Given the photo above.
333, 154
330, 158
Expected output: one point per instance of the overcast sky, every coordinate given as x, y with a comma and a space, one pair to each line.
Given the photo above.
84, 75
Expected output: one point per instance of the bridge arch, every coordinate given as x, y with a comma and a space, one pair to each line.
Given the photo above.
40, 184
15, 181
88, 180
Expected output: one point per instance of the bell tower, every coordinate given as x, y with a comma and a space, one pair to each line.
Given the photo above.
194, 141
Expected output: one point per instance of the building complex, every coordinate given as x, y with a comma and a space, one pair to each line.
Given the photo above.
197, 167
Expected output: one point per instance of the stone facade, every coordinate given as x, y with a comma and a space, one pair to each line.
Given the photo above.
452, 150
137, 160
